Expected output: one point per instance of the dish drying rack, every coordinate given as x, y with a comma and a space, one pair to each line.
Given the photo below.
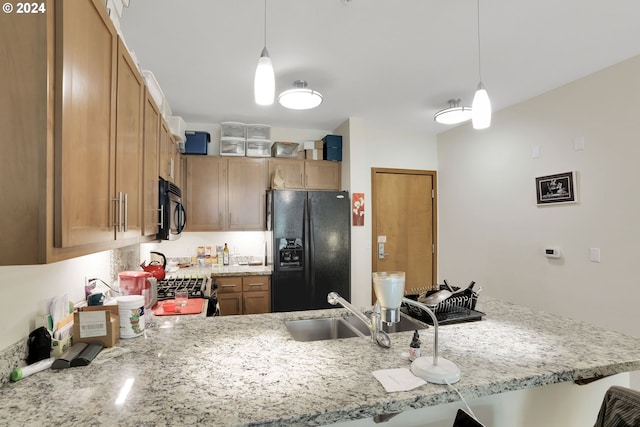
465, 299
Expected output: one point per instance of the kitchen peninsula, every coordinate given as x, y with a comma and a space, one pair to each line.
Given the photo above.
247, 370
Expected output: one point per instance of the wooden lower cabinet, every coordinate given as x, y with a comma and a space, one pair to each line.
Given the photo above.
244, 295
230, 303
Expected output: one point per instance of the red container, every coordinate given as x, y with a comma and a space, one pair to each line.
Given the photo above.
139, 283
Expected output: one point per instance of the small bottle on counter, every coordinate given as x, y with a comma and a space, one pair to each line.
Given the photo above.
414, 347
225, 255
219, 255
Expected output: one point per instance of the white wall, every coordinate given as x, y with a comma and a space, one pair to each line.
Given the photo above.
27, 289
243, 243
491, 230
368, 148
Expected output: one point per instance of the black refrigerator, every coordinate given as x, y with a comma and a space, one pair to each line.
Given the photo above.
311, 247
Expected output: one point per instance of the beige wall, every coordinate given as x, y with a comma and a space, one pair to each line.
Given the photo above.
491, 230
26, 290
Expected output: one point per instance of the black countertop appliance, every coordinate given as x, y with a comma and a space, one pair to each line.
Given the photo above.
311, 238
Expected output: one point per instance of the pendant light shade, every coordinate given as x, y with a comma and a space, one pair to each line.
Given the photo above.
481, 109
265, 81
481, 105
301, 97
264, 85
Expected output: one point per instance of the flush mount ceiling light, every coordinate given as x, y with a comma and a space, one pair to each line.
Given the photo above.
454, 114
481, 105
301, 97
264, 85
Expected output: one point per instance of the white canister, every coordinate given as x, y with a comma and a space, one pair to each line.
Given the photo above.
131, 311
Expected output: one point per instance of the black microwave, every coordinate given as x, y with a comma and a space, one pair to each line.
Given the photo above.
173, 217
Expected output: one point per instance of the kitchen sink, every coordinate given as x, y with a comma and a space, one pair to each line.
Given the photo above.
328, 328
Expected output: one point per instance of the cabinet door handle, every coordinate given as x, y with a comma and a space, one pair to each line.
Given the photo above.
126, 212
118, 200
254, 284
227, 286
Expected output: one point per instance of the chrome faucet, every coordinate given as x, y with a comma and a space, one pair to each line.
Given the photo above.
374, 323
438, 370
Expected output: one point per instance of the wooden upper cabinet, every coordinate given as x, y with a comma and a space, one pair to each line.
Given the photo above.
167, 152
150, 163
129, 131
85, 104
72, 102
206, 193
322, 175
307, 174
246, 193
226, 193
23, 120
177, 162
291, 170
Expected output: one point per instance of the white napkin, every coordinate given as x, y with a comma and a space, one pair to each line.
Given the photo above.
399, 379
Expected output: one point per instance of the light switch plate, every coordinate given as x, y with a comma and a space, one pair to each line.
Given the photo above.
594, 254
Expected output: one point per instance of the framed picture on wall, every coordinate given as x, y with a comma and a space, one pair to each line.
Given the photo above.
556, 189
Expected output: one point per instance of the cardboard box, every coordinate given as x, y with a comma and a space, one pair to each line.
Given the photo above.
97, 323
314, 154
313, 145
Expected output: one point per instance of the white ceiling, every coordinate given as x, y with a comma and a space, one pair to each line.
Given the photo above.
392, 63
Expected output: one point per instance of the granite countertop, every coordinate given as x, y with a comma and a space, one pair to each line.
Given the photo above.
239, 370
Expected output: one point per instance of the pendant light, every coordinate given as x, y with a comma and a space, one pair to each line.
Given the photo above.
301, 97
264, 86
481, 105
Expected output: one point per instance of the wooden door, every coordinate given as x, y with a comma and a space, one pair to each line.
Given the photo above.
205, 193
150, 162
404, 221
129, 126
246, 194
85, 105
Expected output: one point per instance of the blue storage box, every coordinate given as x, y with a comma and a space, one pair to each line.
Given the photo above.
196, 142
332, 148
